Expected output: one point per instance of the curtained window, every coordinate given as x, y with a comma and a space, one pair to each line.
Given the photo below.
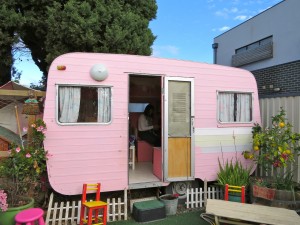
234, 107
84, 104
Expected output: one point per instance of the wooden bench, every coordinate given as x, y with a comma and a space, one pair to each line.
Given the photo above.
241, 213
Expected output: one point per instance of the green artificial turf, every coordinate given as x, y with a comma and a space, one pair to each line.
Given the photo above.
188, 218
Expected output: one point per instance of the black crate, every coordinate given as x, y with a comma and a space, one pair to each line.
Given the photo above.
148, 211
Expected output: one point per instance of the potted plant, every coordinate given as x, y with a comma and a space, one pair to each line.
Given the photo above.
21, 173
274, 149
235, 174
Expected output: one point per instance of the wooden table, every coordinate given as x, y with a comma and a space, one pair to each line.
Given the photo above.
241, 213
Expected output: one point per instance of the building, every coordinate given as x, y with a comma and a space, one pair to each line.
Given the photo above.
268, 45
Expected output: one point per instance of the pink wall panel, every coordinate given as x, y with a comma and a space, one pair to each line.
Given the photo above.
101, 150
207, 165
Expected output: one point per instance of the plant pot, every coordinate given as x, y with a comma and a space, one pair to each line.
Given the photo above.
284, 195
170, 202
8, 217
263, 192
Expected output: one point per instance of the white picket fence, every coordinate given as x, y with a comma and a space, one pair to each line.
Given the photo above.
68, 213
196, 197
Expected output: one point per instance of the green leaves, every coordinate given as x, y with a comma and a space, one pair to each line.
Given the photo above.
100, 26
28, 162
51, 28
233, 173
277, 145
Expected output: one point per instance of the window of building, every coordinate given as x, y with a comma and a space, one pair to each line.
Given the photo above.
234, 107
84, 104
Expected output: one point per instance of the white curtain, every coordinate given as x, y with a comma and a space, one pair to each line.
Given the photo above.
104, 105
69, 103
243, 108
226, 107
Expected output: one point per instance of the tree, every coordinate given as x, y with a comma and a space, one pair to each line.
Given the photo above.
51, 28
10, 21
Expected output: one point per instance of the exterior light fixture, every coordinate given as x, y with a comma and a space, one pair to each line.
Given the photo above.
99, 72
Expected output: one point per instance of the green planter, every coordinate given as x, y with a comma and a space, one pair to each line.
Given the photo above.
8, 217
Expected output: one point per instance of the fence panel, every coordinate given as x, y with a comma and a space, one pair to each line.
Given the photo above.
196, 196
270, 107
67, 213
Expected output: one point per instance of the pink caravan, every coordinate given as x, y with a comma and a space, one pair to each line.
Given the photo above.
93, 101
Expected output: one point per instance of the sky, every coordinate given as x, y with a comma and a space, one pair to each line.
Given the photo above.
184, 29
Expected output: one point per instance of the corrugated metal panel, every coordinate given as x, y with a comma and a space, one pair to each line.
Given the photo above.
271, 106
262, 52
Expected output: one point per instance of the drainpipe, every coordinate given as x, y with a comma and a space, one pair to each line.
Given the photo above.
215, 48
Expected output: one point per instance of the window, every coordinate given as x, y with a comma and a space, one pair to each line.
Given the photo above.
84, 104
234, 107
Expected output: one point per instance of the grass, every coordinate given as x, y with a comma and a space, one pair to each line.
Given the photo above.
190, 218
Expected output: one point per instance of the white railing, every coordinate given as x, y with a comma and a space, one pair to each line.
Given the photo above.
196, 197
69, 212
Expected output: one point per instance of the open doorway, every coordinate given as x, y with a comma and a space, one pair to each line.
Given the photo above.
144, 90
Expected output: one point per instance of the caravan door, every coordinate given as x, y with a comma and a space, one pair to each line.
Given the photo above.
178, 129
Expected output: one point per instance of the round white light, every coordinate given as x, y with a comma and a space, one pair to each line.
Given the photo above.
99, 72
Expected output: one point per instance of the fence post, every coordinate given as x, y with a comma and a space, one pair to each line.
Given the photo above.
205, 192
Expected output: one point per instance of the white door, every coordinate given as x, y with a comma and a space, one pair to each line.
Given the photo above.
178, 129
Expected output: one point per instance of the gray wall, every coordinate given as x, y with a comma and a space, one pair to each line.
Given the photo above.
282, 21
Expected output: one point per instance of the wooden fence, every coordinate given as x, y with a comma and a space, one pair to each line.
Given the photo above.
68, 213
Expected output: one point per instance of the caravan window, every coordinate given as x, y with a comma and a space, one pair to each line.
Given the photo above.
84, 104
234, 107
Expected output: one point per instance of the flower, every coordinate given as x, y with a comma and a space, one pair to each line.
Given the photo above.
21, 172
262, 182
3, 201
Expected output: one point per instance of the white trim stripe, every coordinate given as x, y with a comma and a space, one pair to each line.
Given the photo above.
223, 131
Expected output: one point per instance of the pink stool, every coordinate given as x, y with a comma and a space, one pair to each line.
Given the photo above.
29, 216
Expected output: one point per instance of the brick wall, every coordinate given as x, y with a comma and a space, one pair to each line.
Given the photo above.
284, 76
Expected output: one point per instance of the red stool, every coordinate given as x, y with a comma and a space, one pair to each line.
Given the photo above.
29, 216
